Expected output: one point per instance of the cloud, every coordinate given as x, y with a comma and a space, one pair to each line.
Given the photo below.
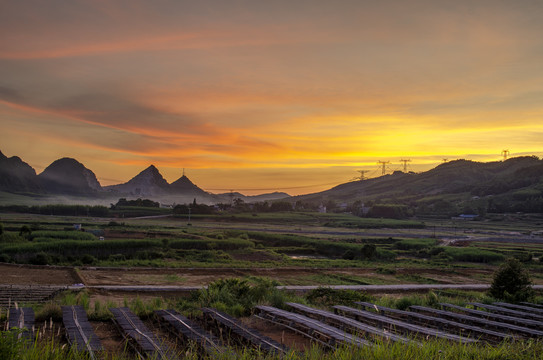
10, 94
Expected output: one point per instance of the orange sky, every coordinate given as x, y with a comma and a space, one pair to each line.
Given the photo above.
260, 96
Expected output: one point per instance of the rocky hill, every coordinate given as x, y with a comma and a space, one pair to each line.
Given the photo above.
69, 176
17, 176
183, 185
148, 183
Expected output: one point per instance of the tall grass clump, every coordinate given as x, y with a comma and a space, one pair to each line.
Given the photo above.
473, 255
238, 297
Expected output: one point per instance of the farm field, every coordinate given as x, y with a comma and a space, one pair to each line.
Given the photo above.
237, 257
165, 250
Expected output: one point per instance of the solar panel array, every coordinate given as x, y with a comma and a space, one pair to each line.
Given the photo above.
248, 335
191, 331
22, 319
26, 294
314, 329
399, 326
79, 331
507, 311
138, 335
348, 325
464, 329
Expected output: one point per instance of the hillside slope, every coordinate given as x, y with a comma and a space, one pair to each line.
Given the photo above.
512, 185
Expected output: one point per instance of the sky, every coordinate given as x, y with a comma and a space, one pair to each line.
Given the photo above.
260, 96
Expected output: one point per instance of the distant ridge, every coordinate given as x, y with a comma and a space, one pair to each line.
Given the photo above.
456, 186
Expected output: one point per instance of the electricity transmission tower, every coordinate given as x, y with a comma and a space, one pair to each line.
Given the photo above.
405, 161
362, 175
383, 163
505, 153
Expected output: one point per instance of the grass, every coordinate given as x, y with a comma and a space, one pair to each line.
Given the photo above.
10, 348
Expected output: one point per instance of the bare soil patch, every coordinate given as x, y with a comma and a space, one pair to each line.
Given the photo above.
283, 336
204, 276
36, 275
109, 336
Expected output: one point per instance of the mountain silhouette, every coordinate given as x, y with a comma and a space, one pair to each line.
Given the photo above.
149, 182
69, 176
17, 176
183, 185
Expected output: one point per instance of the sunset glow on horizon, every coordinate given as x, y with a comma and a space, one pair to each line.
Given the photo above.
262, 96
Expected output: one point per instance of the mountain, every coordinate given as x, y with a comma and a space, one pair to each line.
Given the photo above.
512, 185
17, 176
184, 186
147, 183
267, 197
69, 176
226, 197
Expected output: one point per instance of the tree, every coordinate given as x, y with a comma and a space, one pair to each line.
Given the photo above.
25, 231
1, 228
368, 251
511, 282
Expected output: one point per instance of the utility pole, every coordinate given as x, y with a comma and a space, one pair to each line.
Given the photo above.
405, 161
383, 163
231, 197
505, 153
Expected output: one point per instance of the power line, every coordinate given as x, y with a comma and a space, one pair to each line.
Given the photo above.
275, 189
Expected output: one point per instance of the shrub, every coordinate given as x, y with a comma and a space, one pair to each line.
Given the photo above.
41, 258
49, 311
237, 297
25, 231
473, 255
368, 251
88, 259
324, 296
117, 257
512, 282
